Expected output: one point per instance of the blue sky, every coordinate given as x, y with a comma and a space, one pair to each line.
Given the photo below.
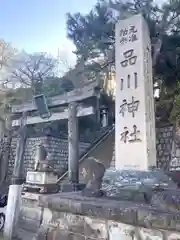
39, 25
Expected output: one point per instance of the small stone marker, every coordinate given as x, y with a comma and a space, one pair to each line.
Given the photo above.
43, 178
94, 171
135, 119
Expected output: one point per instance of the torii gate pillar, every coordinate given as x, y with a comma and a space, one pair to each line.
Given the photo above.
73, 144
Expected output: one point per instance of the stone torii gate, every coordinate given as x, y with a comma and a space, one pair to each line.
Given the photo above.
72, 112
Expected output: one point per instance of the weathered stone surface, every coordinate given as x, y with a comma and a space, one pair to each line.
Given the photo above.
41, 233
30, 204
123, 231
57, 153
57, 234
30, 225
73, 227
70, 216
125, 212
41, 177
22, 234
71, 187
141, 186
172, 236
76, 227
94, 171
56, 147
95, 228
32, 213
164, 141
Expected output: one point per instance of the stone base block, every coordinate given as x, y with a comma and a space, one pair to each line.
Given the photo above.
41, 188
41, 177
72, 187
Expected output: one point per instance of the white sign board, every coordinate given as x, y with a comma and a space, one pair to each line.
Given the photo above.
135, 120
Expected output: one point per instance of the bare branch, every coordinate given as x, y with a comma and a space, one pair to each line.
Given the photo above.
34, 68
19, 77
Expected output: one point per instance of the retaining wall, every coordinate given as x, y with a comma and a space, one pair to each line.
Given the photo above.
70, 216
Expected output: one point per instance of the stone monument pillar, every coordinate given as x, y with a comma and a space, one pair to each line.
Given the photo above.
135, 142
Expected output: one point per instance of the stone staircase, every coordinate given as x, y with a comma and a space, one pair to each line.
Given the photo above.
102, 149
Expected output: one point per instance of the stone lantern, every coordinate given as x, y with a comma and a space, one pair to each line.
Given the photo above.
42, 179
104, 116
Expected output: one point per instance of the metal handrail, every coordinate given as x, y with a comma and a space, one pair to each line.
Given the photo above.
94, 145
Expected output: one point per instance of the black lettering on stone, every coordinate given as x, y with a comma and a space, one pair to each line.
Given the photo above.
132, 34
123, 107
128, 80
122, 84
123, 36
134, 135
129, 58
135, 80
123, 32
131, 137
133, 106
125, 135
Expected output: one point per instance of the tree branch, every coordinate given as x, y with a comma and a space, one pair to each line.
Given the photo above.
34, 66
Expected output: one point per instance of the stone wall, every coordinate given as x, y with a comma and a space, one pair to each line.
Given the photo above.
164, 146
58, 149
77, 227
112, 164
57, 152
70, 216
